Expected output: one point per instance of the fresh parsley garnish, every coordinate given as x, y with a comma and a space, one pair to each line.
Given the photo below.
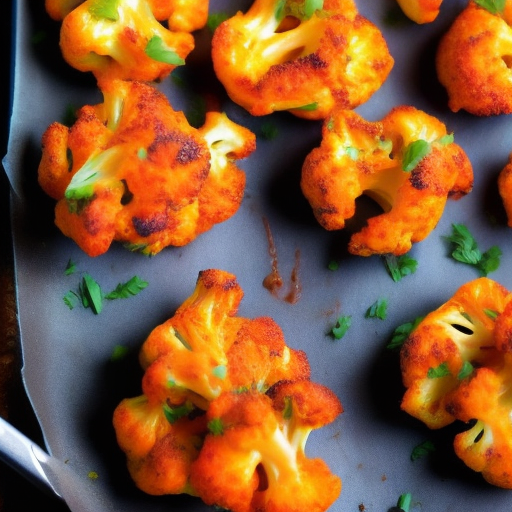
491, 313
402, 332
157, 50
378, 309
90, 293
70, 268
174, 413
269, 130
308, 107
216, 427
414, 153
439, 371
465, 371
124, 290
404, 502
422, 449
467, 251
215, 19
400, 266
106, 9
493, 6
341, 327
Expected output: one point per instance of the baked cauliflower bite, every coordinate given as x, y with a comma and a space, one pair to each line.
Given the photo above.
473, 61
304, 56
457, 365
132, 169
406, 162
420, 11
226, 409
122, 39
180, 15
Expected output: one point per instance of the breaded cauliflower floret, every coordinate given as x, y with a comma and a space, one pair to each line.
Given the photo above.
226, 409
132, 169
122, 40
457, 365
420, 11
406, 162
505, 189
473, 61
259, 442
302, 56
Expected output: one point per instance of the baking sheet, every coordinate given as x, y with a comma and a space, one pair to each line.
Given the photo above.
74, 387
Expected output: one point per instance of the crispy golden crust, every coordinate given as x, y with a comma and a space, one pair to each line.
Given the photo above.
474, 327
181, 15
167, 185
313, 65
420, 11
226, 409
116, 49
358, 157
473, 62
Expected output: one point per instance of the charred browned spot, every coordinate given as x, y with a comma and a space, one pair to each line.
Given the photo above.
91, 225
188, 151
418, 178
146, 227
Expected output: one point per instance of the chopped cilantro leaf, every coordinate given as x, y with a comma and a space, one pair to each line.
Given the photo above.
70, 299
402, 332
106, 9
309, 106
215, 19
341, 327
333, 265
465, 371
466, 251
414, 153
378, 309
422, 449
216, 427
124, 290
118, 352
493, 6
157, 50
491, 313
400, 266
174, 413
70, 268
91, 295
440, 371
404, 502
269, 130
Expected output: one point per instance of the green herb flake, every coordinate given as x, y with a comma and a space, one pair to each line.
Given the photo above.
311, 6
467, 316
215, 19
92, 475
352, 153
269, 131
105, 9
279, 11
70, 268
220, 371
216, 427
182, 340
466, 251
414, 153
333, 265
440, 371
91, 295
124, 290
400, 266
71, 299
288, 408
341, 327
142, 153
422, 449
402, 332
119, 352
465, 371
446, 139
493, 6
378, 309
491, 313
308, 107
404, 502
174, 413
157, 50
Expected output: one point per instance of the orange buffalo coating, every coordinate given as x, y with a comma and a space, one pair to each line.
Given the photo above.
128, 44
306, 63
473, 61
132, 169
359, 157
469, 338
226, 410
420, 11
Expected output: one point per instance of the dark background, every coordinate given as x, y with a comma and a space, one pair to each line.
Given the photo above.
16, 494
